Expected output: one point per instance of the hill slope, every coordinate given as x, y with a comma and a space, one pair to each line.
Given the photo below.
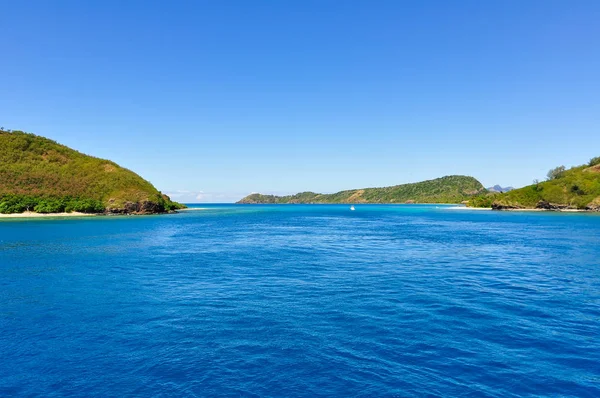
449, 189
38, 174
576, 188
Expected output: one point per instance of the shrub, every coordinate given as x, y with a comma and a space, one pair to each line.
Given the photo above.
50, 206
556, 172
577, 190
20, 203
483, 200
594, 161
84, 206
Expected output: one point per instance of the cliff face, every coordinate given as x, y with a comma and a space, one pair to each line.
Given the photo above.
38, 174
449, 189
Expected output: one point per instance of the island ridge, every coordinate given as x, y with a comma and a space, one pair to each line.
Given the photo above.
39, 175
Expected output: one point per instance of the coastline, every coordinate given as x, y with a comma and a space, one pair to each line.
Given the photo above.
553, 210
470, 208
31, 214
536, 210
349, 204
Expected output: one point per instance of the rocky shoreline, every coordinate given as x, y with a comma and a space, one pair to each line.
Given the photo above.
140, 208
543, 205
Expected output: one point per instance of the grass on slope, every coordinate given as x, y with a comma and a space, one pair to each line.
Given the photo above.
36, 171
577, 188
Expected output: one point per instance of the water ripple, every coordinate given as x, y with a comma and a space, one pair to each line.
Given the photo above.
302, 301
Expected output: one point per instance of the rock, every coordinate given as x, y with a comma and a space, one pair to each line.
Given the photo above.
131, 207
545, 205
145, 207
498, 206
148, 207
542, 204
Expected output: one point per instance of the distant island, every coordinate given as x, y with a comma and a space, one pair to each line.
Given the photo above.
577, 188
41, 176
574, 189
449, 189
500, 189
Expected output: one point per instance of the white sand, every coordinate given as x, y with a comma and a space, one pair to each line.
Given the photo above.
31, 214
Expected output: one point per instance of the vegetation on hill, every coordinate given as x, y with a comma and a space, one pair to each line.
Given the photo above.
449, 189
38, 174
574, 188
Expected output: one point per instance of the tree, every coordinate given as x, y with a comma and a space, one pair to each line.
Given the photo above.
577, 190
594, 161
556, 173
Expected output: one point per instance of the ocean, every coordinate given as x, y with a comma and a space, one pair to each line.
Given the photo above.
302, 301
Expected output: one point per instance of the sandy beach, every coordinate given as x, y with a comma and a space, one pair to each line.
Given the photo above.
30, 214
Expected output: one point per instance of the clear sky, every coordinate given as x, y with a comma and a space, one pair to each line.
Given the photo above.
217, 99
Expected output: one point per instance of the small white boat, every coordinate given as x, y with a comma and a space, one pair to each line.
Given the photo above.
351, 207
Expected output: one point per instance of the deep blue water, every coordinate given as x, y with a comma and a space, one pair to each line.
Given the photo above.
302, 301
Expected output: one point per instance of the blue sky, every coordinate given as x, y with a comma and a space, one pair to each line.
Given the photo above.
213, 100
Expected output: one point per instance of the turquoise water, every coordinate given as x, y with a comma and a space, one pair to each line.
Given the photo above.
300, 300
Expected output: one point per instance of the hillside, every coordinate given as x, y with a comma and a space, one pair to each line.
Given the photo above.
38, 174
575, 188
449, 189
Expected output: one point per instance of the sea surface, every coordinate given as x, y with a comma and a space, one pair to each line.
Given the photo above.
302, 300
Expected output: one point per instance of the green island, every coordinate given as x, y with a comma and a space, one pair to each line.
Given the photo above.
41, 176
577, 188
449, 189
